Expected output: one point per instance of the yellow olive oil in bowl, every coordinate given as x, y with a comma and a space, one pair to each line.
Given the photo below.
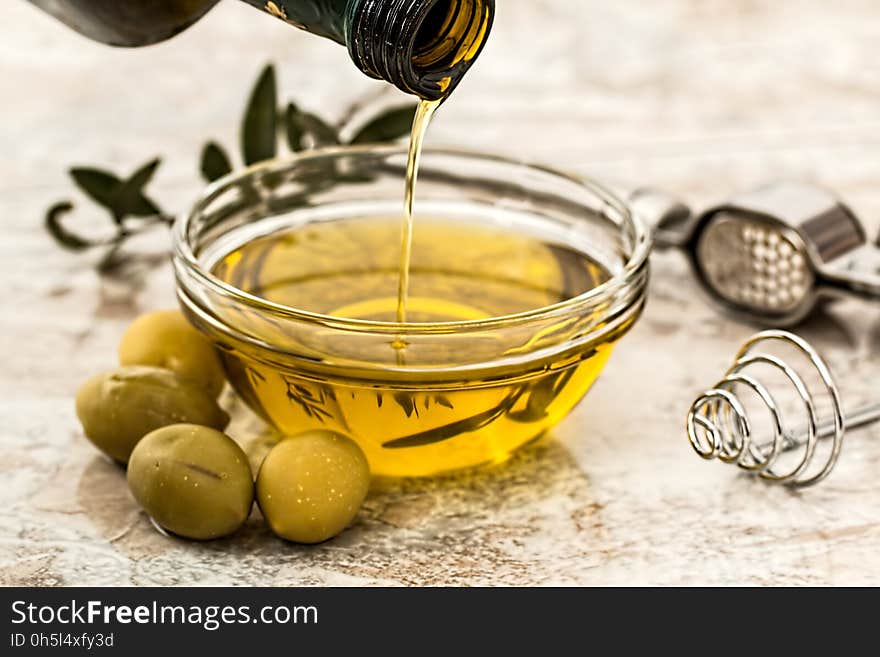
521, 280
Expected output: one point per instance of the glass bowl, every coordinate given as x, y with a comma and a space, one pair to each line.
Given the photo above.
444, 391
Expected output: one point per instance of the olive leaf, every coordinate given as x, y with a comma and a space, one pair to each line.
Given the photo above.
101, 186
453, 429
215, 162
406, 401
316, 131
122, 198
310, 404
443, 401
130, 198
255, 377
293, 128
540, 395
260, 125
62, 235
387, 126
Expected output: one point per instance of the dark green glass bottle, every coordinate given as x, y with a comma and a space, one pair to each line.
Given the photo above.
424, 47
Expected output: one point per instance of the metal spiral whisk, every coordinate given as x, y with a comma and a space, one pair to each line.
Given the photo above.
719, 426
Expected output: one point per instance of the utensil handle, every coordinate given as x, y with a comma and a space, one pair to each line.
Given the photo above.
859, 418
856, 274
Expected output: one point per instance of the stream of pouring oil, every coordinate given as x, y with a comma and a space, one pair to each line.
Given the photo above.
421, 122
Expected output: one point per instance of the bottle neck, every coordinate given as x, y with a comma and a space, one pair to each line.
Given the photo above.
423, 47
325, 18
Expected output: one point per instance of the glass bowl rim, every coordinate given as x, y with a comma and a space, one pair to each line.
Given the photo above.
628, 276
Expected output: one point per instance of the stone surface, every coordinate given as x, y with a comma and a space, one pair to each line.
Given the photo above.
700, 98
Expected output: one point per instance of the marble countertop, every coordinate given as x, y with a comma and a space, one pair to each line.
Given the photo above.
700, 98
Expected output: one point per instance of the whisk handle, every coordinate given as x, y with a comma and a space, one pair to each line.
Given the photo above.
863, 416
859, 418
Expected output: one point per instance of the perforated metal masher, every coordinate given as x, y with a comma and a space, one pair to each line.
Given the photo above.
719, 425
770, 255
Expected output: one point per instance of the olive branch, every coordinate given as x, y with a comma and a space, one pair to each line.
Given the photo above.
265, 126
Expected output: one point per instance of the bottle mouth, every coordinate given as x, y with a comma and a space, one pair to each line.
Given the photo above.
423, 47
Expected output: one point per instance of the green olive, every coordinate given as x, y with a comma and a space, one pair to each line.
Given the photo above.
120, 407
165, 338
311, 486
193, 481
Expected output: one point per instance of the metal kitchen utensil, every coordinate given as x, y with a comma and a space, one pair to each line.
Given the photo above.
770, 255
718, 424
